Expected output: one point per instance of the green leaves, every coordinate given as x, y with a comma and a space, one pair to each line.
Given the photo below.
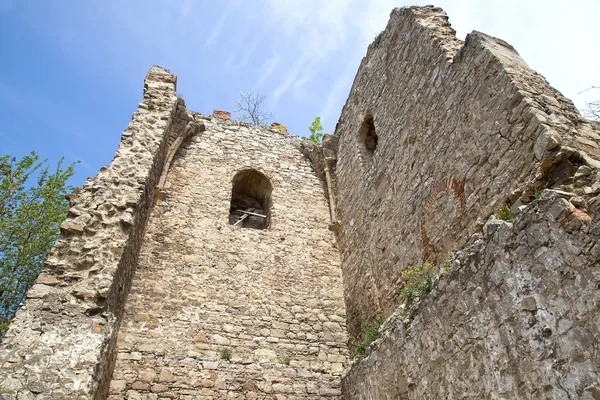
316, 130
417, 280
370, 333
506, 215
32, 206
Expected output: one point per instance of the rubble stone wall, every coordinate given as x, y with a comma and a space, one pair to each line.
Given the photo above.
205, 290
61, 343
515, 317
461, 129
150, 292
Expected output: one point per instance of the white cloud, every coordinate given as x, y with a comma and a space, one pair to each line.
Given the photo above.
306, 54
301, 81
82, 163
556, 40
287, 83
336, 96
235, 63
267, 69
216, 31
323, 36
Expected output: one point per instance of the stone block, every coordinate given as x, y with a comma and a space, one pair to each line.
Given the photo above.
224, 115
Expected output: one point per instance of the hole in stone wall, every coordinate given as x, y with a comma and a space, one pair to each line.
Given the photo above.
250, 200
367, 137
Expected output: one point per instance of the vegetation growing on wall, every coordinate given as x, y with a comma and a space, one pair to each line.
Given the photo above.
377, 39
370, 333
417, 280
226, 354
285, 358
538, 193
506, 215
316, 130
280, 127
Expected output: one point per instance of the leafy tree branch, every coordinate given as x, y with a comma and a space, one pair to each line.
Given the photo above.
30, 216
316, 130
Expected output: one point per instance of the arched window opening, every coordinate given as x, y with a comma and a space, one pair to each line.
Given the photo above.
250, 200
367, 137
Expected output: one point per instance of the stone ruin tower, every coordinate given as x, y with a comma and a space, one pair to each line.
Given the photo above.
161, 285
226, 304
217, 260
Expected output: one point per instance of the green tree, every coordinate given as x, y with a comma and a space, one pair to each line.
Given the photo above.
316, 130
32, 207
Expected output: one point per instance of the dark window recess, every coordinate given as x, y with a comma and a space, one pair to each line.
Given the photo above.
250, 200
367, 136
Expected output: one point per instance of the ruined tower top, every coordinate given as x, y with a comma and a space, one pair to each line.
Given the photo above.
446, 235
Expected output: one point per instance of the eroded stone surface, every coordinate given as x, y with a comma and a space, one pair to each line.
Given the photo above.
436, 136
516, 317
61, 343
203, 286
461, 129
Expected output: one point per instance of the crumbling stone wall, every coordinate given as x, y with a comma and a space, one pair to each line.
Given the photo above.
460, 129
435, 137
61, 343
516, 317
203, 287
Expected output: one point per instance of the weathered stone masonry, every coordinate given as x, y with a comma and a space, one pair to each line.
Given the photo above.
61, 344
271, 297
516, 317
462, 128
435, 137
202, 286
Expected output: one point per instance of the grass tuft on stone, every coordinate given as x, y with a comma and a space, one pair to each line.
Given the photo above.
417, 280
505, 215
226, 354
370, 333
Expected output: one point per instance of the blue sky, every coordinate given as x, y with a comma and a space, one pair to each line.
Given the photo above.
71, 71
